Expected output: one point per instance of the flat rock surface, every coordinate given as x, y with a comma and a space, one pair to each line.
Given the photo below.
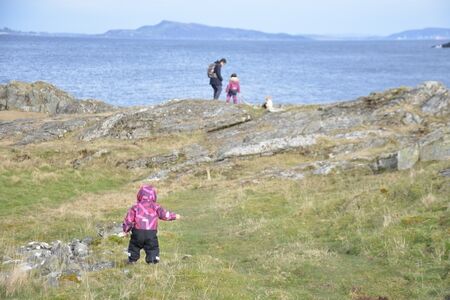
172, 117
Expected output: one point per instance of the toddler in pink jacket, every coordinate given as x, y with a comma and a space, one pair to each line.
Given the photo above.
233, 88
142, 220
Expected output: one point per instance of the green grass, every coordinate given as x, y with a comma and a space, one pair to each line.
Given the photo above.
22, 190
334, 237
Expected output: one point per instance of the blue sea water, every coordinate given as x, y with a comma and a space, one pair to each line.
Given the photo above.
137, 72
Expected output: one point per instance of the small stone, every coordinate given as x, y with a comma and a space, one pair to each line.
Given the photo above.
80, 250
445, 172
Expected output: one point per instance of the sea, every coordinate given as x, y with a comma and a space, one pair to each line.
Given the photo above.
129, 72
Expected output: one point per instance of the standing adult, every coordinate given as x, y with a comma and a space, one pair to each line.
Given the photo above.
216, 78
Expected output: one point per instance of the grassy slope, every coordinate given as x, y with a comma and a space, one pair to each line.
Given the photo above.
332, 237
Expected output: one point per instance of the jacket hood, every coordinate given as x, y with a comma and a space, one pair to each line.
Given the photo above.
146, 193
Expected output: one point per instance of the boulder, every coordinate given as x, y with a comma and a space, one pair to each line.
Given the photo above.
435, 146
408, 157
388, 161
46, 98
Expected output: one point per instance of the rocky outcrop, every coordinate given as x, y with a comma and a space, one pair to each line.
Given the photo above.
58, 261
46, 98
390, 130
51, 131
28, 131
389, 111
172, 117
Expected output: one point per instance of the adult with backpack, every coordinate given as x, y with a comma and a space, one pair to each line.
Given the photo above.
215, 76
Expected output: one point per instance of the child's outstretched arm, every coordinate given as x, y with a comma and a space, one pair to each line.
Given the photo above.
128, 221
167, 215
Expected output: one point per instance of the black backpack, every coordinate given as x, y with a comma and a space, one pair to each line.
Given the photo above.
210, 72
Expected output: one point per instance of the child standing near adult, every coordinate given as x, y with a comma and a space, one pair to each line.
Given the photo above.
142, 221
233, 88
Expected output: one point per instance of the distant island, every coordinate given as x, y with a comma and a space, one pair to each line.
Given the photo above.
168, 30
422, 34
192, 31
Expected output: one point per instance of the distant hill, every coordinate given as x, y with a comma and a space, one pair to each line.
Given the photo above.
168, 30
422, 34
193, 31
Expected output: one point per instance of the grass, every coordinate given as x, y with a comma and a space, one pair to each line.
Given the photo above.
345, 236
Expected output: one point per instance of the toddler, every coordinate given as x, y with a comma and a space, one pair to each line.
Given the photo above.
233, 88
142, 221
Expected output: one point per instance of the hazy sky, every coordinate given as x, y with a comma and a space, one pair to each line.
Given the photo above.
376, 17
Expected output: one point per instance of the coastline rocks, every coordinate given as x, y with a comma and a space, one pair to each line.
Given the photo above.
172, 117
46, 98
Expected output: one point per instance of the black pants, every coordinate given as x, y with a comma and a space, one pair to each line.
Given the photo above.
147, 240
217, 90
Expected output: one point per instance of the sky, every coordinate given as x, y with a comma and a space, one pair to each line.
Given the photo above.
335, 17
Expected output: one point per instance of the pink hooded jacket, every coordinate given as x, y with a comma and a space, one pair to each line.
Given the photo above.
146, 212
233, 85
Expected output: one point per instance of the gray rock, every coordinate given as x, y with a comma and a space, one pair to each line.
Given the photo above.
412, 119
43, 97
52, 130
62, 252
79, 249
408, 157
445, 172
269, 146
17, 128
171, 117
438, 102
385, 162
435, 146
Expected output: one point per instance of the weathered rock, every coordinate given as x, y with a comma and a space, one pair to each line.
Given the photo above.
408, 157
90, 106
43, 97
52, 130
385, 162
79, 249
435, 146
445, 172
16, 128
59, 261
438, 102
268, 146
172, 117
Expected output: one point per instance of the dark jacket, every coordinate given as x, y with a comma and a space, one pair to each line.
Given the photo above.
218, 78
